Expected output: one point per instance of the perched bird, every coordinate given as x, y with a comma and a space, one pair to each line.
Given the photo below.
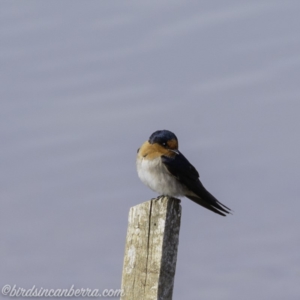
162, 167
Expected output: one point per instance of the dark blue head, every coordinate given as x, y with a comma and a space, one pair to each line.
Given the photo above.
164, 138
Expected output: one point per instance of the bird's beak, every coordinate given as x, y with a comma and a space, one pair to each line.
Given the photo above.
175, 151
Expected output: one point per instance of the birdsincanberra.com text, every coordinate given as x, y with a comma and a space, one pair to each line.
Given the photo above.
15, 291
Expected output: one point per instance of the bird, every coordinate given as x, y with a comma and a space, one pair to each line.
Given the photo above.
165, 170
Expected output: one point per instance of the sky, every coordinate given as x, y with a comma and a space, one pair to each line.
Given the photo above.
85, 83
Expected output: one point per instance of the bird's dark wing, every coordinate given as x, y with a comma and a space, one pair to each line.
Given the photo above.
186, 174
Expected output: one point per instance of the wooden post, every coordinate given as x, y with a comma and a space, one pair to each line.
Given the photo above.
151, 250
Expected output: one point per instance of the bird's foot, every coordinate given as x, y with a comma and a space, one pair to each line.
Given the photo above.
159, 197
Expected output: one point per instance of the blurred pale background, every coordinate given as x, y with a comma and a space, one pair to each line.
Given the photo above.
84, 84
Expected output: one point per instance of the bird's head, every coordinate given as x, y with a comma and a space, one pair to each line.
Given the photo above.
161, 142
165, 139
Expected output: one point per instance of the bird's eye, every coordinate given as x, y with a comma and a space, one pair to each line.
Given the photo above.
164, 144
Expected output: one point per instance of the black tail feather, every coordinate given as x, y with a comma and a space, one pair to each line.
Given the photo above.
207, 200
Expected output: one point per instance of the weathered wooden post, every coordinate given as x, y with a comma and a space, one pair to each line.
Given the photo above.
151, 250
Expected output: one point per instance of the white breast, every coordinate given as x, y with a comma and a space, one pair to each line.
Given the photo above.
156, 177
